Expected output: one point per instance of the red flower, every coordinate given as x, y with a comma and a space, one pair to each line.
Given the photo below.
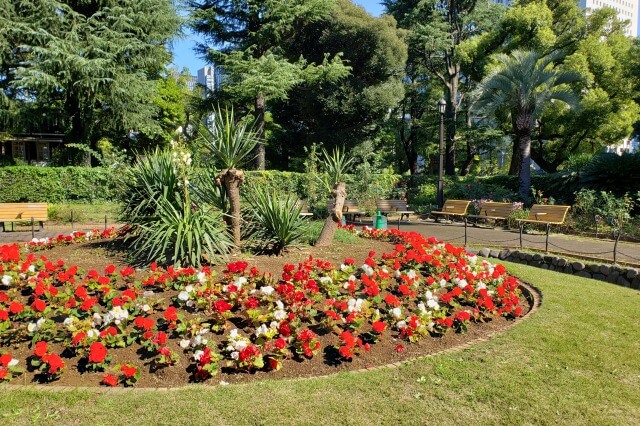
171, 315
3, 373
55, 363
462, 316
97, 353
128, 370
399, 348
15, 308
392, 300
110, 380
5, 359
39, 305
127, 271
41, 349
79, 337
345, 352
518, 311
4, 315
222, 306
379, 326
251, 303
109, 270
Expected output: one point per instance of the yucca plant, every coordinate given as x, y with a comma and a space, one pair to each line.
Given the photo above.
611, 172
167, 225
231, 144
275, 221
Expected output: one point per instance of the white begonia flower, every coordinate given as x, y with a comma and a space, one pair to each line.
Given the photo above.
67, 321
13, 362
40, 322
239, 282
443, 283
397, 273
146, 308
235, 355
396, 312
35, 240
411, 274
326, 280
367, 269
197, 355
96, 319
261, 331
31, 268
93, 333
202, 277
462, 283
6, 280
190, 303
344, 268
480, 285
184, 343
148, 293
233, 334
432, 304
240, 345
472, 258
267, 290
401, 324
188, 288
31, 327
279, 314
184, 296
423, 309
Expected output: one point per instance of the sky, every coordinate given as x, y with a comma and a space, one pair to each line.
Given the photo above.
184, 56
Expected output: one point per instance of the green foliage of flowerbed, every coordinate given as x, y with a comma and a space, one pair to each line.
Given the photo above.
564, 365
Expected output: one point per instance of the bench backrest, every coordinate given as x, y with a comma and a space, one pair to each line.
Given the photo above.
391, 205
349, 206
456, 206
548, 213
23, 211
495, 209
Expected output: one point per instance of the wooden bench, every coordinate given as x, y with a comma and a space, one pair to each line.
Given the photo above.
491, 210
304, 208
456, 208
349, 208
544, 215
23, 212
394, 206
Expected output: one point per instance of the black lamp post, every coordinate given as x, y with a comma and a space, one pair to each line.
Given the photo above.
442, 106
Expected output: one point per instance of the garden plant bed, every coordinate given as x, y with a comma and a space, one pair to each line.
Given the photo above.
335, 352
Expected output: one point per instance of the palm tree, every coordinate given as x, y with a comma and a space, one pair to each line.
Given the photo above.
523, 84
335, 165
231, 143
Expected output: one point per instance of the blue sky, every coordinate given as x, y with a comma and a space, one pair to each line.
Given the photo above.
183, 55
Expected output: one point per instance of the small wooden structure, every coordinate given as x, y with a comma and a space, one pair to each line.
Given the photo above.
545, 215
23, 212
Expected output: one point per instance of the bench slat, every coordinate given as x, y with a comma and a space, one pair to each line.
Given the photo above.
23, 211
547, 214
453, 208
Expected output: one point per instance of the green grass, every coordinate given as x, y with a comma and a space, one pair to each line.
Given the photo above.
86, 213
574, 362
342, 236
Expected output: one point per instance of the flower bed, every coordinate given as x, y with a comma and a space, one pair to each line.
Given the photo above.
55, 318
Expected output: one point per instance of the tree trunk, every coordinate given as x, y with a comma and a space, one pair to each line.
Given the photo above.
330, 227
259, 116
524, 143
450, 124
232, 179
516, 159
468, 163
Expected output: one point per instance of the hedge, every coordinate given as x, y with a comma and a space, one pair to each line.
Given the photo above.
56, 184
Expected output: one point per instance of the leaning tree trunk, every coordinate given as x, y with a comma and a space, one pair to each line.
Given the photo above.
232, 179
330, 227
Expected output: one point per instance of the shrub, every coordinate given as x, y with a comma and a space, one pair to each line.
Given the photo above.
619, 174
167, 225
602, 207
275, 222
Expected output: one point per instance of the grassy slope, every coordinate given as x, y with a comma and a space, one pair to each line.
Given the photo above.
574, 362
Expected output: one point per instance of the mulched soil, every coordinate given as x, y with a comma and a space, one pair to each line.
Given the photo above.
97, 255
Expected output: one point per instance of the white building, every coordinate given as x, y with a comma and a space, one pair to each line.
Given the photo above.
627, 11
629, 145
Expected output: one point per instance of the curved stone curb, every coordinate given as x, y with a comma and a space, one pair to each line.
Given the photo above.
530, 292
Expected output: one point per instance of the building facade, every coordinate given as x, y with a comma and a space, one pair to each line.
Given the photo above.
627, 11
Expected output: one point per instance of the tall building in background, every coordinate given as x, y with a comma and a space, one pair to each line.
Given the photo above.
207, 77
627, 11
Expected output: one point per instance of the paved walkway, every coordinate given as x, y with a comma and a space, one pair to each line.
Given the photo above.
477, 237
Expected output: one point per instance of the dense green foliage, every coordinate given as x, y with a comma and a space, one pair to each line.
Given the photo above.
56, 184
274, 220
90, 66
168, 226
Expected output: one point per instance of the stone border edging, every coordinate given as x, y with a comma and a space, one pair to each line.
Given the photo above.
614, 274
530, 292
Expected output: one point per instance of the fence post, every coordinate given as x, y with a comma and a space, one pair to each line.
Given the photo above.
465, 231
33, 232
521, 226
546, 244
71, 220
105, 222
616, 234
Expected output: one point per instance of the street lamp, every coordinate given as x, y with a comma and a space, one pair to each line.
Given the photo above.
442, 106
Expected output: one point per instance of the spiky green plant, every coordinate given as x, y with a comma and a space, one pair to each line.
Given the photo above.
168, 226
275, 220
335, 166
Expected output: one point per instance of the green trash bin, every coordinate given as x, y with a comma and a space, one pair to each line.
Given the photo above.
380, 221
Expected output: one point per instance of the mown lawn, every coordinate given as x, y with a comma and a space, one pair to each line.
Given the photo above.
576, 361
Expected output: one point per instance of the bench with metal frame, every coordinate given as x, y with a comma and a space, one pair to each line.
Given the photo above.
349, 208
544, 214
492, 210
455, 208
23, 212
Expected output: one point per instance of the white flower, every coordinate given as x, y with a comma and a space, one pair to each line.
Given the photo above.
93, 333
184, 296
238, 283
326, 280
396, 312
411, 274
367, 269
197, 355
233, 334
480, 285
13, 362
223, 383
401, 324
443, 283
146, 308
188, 288
31, 327
432, 304
462, 283
6, 280
148, 293
184, 343
67, 321
423, 309
279, 314
267, 290
31, 268
235, 355
202, 277
96, 319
